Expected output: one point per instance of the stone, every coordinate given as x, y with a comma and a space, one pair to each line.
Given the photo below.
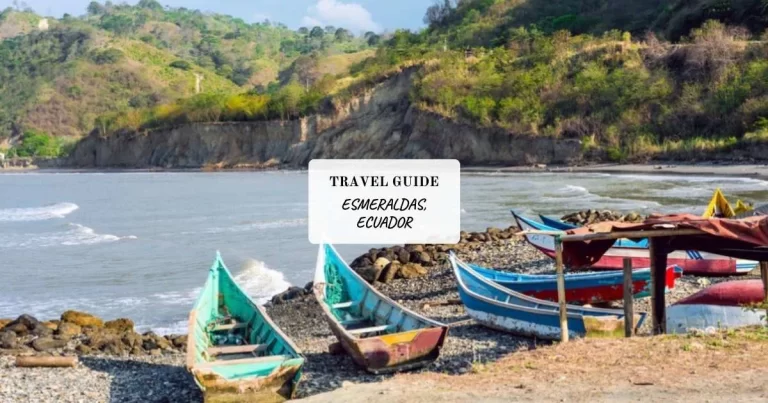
8, 339
132, 339
119, 325
68, 330
83, 349
369, 273
412, 270
390, 272
47, 343
403, 256
137, 350
289, 294
423, 257
153, 341
51, 324
4, 322
41, 331
179, 341
335, 348
24, 325
155, 351
82, 319
415, 248
106, 341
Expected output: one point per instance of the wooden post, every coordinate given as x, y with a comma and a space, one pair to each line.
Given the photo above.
31, 361
658, 283
629, 311
561, 289
764, 277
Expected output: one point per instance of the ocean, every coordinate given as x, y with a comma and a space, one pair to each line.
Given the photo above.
139, 244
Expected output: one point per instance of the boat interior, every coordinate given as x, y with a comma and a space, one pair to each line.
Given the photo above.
234, 339
360, 310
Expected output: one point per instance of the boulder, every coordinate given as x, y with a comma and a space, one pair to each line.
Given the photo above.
381, 263
23, 325
421, 257
403, 256
82, 319
153, 341
412, 270
361, 261
51, 324
155, 352
42, 331
99, 340
179, 341
132, 340
119, 325
415, 248
83, 349
8, 339
47, 343
369, 273
289, 294
4, 322
68, 330
390, 272
309, 287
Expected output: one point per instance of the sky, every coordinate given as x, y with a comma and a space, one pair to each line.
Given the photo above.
356, 15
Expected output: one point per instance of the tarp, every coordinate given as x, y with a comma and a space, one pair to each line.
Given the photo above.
745, 238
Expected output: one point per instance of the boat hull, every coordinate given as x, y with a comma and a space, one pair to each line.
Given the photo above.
499, 308
721, 306
692, 262
404, 340
580, 288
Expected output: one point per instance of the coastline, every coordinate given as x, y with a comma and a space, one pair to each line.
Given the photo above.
703, 169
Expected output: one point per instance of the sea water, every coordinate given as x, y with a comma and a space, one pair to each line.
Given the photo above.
139, 244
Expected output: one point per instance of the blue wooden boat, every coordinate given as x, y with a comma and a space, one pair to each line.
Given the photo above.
500, 308
580, 288
556, 223
234, 350
378, 333
620, 243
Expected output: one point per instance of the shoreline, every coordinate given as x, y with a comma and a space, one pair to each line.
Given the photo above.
704, 169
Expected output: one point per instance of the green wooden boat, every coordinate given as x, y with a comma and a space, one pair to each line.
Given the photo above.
235, 352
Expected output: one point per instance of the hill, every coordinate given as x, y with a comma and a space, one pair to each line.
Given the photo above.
63, 77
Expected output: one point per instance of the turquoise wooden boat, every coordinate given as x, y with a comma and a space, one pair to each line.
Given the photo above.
379, 334
234, 350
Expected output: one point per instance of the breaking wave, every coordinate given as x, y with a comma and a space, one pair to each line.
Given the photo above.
58, 210
76, 235
260, 282
251, 226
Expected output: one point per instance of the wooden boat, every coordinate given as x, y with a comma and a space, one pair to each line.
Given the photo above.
556, 223
692, 262
501, 308
580, 288
235, 352
379, 334
723, 305
553, 224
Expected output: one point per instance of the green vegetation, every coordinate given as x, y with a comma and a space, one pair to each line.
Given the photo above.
60, 76
38, 144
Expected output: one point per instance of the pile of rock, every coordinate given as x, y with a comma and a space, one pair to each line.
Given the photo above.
412, 261
594, 216
83, 333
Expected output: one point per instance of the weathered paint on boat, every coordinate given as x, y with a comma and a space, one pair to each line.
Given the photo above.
555, 224
224, 313
723, 305
581, 288
692, 262
404, 339
500, 308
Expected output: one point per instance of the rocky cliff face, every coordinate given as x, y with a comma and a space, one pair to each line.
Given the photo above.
381, 123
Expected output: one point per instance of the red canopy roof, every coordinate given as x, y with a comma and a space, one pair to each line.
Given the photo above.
745, 238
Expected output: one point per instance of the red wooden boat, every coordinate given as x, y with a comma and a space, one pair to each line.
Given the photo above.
692, 262
723, 305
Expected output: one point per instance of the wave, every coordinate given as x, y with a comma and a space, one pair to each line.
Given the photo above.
260, 282
77, 235
58, 210
572, 190
252, 226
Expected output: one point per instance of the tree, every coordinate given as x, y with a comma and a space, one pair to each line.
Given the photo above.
374, 40
317, 33
342, 35
329, 29
94, 8
150, 4
181, 65
438, 12
303, 30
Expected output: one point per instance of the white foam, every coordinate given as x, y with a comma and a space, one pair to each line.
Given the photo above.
76, 235
259, 281
58, 210
245, 227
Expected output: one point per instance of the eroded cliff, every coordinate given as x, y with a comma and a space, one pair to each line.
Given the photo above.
381, 123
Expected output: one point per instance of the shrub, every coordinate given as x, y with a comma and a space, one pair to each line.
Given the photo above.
37, 144
107, 56
181, 65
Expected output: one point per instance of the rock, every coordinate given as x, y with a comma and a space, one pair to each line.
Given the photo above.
309, 287
414, 248
132, 340
47, 343
99, 340
83, 349
424, 258
24, 325
289, 294
412, 270
155, 351
68, 330
8, 339
335, 348
137, 351
179, 341
51, 324
153, 341
403, 256
4, 322
369, 273
82, 319
119, 325
381, 263
42, 331
361, 261
390, 272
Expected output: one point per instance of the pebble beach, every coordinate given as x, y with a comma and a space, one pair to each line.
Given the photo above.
159, 376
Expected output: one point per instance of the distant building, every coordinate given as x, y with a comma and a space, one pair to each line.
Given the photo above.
43, 24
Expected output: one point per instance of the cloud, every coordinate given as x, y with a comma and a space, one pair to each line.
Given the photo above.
348, 15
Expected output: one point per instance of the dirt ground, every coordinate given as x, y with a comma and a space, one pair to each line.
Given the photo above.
695, 368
